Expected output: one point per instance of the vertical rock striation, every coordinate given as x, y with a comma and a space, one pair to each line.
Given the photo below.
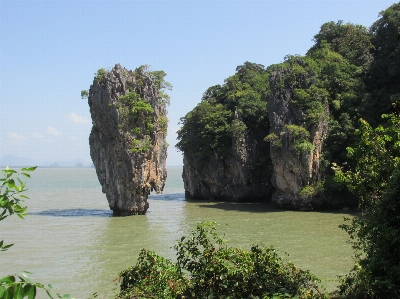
235, 178
296, 150
127, 141
222, 139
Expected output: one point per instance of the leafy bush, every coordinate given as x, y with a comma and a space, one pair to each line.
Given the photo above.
375, 234
135, 111
84, 94
136, 114
163, 123
100, 75
300, 136
141, 146
143, 72
312, 190
274, 139
207, 268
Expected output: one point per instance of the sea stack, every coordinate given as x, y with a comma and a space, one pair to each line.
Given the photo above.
128, 138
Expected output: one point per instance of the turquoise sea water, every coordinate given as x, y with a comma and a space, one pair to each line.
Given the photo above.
71, 240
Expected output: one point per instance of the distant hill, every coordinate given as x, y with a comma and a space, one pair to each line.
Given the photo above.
13, 161
77, 162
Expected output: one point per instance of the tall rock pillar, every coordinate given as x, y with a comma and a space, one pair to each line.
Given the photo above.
128, 138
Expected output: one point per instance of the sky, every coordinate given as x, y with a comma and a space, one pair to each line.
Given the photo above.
50, 51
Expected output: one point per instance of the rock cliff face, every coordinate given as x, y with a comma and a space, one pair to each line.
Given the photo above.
235, 178
127, 141
296, 152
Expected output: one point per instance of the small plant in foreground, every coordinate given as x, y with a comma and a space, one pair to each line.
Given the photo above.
17, 286
207, 268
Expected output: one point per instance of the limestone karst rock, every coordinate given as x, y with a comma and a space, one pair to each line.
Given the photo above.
234, 178
127, 141
296, 151
222, 140
260, 134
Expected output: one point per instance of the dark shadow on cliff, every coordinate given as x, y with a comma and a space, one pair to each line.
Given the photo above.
74, 213
261, 207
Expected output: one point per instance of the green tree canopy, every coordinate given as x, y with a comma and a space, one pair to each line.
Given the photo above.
227, 111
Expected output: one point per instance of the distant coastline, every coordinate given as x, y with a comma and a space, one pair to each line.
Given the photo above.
18, 162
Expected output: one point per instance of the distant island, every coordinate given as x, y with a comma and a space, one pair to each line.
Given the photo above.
13, 161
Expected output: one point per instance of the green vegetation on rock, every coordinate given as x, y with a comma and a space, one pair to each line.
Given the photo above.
226, 113
136, 114
300, 136
351, 72
100, 75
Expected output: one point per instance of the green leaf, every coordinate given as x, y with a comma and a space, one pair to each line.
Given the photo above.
30, 291
11, 184
21, 216
21, 182
48, 294
39, 285
19, 292
7, 279
5, 247
9, 171
67, 296
9, 293
29, 168
2, 291
21, 278
26, 276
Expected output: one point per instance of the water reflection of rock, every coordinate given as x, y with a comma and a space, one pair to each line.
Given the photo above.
118, 245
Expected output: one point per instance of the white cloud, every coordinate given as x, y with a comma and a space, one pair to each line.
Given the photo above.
15, 136
53, 131
37, 135
78, 119
73, 137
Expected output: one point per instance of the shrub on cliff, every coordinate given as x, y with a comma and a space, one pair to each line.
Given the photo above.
207, 268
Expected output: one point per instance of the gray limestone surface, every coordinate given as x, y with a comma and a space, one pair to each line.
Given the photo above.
234, 178
128, 139
293, 170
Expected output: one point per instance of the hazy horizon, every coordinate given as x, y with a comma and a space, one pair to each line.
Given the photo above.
13, 161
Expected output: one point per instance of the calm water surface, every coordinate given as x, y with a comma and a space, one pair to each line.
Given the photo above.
71, 240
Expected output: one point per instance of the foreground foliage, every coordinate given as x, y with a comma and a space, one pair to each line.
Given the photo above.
207, 268
375, 235
12, 188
